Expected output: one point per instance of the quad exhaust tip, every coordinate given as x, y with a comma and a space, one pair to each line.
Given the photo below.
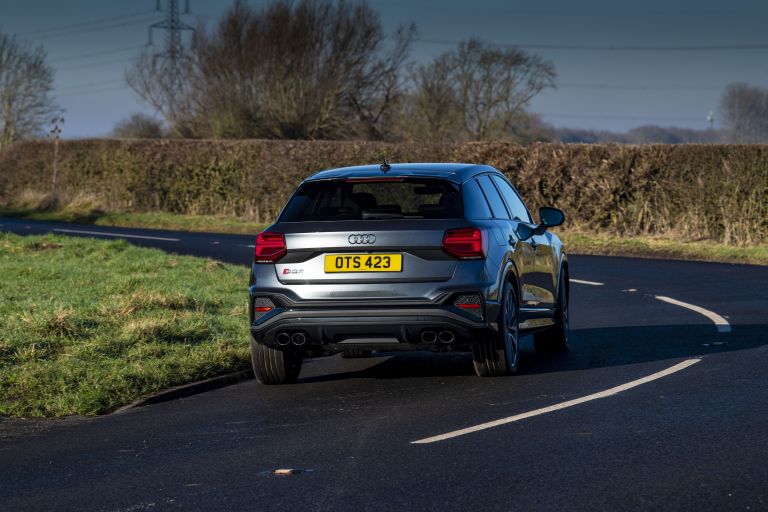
428, 336
282, 339
446, 337
298, 339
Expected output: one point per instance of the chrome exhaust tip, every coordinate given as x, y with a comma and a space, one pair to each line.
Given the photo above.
428, 336
282, 339
298, 339
446, 337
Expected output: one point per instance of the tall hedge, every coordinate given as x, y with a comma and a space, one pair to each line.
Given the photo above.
717, 192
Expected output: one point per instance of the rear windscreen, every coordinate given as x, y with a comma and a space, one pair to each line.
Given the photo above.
413, 198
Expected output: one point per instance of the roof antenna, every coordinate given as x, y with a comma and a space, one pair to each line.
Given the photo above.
385, 167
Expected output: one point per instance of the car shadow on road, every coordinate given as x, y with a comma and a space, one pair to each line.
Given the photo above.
590, 348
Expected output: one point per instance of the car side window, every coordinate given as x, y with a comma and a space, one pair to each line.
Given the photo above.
475, 205
493, 197
514, 203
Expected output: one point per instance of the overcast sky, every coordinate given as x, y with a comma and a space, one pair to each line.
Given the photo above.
90, 43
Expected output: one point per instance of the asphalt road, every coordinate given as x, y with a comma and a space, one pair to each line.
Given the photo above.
693, 437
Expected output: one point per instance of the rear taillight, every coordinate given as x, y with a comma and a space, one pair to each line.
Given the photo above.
464, 243
270, 247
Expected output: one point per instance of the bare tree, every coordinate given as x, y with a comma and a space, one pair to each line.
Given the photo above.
380, 86
26, 82
139, 126
433, 112
488, 87
300, 70
150, 82
744, 110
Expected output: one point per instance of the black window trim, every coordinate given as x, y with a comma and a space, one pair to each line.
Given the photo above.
500, 175
501, 195
490, 208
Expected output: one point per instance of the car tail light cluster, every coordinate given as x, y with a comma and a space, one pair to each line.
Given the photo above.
471, 304
270, 247
464, 243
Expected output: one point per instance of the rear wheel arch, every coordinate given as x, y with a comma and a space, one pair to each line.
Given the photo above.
511, 274
563, 277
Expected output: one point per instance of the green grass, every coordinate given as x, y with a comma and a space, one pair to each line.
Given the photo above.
87, 326
159, 220
653, 247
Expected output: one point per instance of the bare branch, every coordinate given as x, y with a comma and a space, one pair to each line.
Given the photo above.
301, 69
26, 82
483, 89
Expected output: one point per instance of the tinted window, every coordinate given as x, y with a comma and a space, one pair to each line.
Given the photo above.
475, 205
514, 203
493, 197
383, 198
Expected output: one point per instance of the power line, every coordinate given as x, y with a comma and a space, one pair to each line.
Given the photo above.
85, 23
631, 87
99, 54
624, 118
95, 64
90, 92
78, 87
630, 48
96, 29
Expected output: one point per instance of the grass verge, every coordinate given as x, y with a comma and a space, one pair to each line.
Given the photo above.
87, 326
651, 247
576, 242
158, 220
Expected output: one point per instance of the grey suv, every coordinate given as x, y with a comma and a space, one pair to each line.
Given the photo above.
434, 257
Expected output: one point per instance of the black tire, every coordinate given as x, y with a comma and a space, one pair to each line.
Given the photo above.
555, 339
356, 353
499, 354
273, 366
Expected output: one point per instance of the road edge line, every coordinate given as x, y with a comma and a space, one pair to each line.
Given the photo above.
563, 405
115, 235
590, 283
720, 322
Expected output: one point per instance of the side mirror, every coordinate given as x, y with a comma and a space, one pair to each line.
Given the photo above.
550, 217
524, 231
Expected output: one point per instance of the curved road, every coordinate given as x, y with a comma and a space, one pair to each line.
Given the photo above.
662, 403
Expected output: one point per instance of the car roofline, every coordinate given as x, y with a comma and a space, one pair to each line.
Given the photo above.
455, 172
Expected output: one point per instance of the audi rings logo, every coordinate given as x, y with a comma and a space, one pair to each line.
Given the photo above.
361, 239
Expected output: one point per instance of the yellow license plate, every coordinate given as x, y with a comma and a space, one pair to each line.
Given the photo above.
363, 263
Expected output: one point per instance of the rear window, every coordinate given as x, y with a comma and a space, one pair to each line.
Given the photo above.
412, 198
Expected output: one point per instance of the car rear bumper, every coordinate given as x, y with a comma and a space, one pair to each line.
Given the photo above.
378, 328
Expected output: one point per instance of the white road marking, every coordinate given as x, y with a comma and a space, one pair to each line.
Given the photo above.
119, 235
591, 283
721, 323
552, 408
